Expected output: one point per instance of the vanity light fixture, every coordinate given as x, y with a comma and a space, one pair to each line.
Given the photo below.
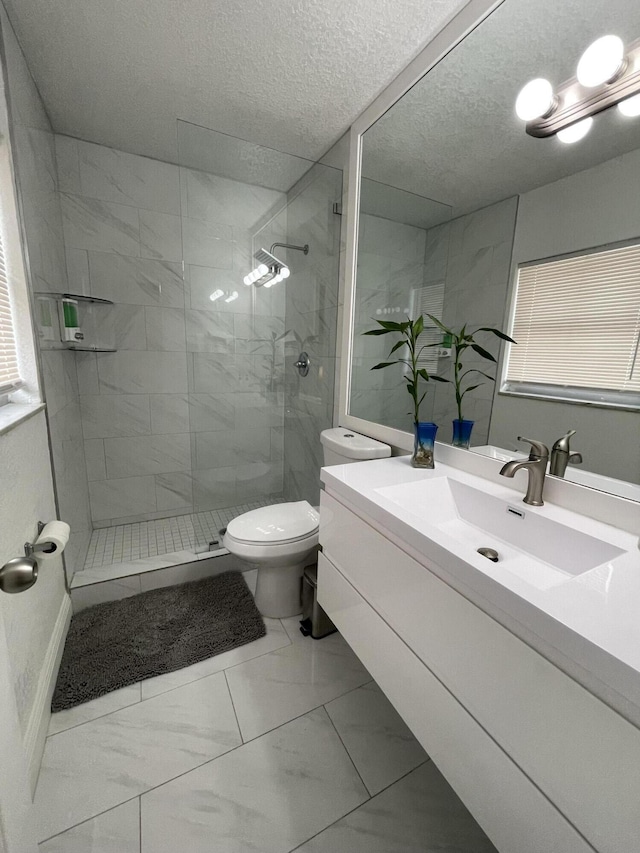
270, 270
232, 296
216, 295
630, 107
606, 75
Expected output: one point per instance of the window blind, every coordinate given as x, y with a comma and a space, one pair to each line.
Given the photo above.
429, 299
577, 322
9, 375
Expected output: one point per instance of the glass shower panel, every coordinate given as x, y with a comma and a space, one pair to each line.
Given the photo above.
236, 193
312, 299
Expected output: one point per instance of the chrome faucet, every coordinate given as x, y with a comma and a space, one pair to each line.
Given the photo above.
536, 465
561, 455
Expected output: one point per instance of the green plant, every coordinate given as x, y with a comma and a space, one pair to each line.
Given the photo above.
460, 342
410, 331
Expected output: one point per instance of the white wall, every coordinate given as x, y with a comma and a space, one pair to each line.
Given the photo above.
591, 208
34, 621
37, 181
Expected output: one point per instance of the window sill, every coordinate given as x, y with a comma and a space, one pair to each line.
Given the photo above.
604, 399
15, 413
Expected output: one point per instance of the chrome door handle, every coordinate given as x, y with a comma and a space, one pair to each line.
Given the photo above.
18, 574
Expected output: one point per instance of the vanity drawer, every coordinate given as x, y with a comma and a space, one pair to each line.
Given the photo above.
581, 754
513, 812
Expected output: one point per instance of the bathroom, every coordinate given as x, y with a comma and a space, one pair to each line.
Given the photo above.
147, 161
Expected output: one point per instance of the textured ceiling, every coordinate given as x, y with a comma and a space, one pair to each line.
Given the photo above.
287, 74
455, 138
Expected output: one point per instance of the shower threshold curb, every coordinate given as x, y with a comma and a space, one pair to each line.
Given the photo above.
115, 571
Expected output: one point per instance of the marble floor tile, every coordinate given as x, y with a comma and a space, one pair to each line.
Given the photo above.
94, 767
100, 707
418, 814
277, 687
275, 638
292, 626
115, 831
270, 795
378, 740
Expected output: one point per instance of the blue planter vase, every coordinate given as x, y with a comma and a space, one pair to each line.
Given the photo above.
424, 436
462, 433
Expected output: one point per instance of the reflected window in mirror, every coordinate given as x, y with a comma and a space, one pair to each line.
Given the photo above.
575, 343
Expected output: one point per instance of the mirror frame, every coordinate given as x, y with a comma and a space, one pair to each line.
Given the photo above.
443, 42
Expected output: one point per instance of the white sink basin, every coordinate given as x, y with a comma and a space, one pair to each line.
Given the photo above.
539, 549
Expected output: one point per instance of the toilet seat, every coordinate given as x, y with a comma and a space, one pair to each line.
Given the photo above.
278, 524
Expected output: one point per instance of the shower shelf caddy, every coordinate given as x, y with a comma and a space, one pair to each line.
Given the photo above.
97, 328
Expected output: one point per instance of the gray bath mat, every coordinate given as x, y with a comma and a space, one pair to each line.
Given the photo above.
122, 642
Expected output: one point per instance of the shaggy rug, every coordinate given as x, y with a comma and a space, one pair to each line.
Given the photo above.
112, 645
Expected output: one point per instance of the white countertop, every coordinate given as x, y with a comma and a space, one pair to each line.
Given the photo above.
588, 624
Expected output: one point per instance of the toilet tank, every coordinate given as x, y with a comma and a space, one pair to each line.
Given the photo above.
343, 445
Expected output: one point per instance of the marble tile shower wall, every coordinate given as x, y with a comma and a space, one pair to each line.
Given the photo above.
187, 415
473, 255
35, 167
391, 263
311, 323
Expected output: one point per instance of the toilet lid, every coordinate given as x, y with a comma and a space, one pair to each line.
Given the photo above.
275, 524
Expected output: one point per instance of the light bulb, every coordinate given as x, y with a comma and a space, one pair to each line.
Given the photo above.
233, 295
630, 107
601, 61
263, 269
535, 99
268, 283
575, 132
247, 279
216, 295
285, 272
276, 279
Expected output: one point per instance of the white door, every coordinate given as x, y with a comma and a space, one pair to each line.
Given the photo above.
17, 819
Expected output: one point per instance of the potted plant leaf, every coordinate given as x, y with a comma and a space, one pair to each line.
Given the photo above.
461, 341
424, 431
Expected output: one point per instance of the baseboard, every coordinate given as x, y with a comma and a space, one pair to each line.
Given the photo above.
38, 725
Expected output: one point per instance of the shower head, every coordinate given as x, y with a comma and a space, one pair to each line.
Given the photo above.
270, 270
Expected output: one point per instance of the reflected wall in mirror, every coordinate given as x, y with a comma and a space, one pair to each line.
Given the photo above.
455, 197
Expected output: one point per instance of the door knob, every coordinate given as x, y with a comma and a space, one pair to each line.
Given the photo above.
18, 574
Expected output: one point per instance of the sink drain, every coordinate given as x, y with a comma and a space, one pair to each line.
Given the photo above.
489, 553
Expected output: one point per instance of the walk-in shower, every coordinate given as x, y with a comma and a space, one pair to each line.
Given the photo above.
188, 410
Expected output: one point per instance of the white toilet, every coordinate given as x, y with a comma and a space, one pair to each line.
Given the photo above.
281, 539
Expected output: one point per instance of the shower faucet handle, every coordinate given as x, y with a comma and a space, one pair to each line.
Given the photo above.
303, 363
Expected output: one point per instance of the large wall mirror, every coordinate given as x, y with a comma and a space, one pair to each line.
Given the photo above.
456, 199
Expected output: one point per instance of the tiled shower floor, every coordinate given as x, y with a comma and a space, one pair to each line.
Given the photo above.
125, 543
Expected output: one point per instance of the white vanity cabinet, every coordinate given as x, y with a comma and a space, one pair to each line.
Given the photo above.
541, 763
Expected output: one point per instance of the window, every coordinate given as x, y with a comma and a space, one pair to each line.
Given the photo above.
9, 374
577, 323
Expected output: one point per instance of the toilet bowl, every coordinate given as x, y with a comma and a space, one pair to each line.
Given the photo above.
280, 539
